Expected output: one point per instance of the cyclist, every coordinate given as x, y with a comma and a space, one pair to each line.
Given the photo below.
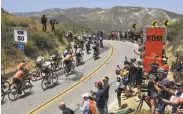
96, 46
24, 67
68, 58
39, 61
87, 45
18, 78
79, 51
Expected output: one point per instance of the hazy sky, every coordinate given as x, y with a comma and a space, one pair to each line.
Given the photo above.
38, 5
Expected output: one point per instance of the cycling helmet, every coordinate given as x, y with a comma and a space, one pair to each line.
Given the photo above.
65, 53
162, 71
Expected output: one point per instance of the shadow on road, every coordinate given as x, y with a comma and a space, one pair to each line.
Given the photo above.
4, 101
52, 86
25, 95
76, 76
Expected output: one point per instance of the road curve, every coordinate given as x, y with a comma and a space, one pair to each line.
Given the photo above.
29, 103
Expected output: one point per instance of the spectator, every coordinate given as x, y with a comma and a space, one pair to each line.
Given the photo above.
138, 78
44, 21
64, 109
106, 87
93, 107
85, 108
100, 97
164, 64
177, 96
120, 87
141, 51
53, 22
132, 72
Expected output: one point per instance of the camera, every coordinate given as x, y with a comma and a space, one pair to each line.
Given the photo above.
152, 78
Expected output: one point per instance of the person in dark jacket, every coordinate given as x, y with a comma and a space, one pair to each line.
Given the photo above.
100, 97
64, 109
106, 87
44, 21
138, 78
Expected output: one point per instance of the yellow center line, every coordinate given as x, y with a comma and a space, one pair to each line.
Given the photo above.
52, 100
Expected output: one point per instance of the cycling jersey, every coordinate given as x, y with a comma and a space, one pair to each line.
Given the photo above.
68, 57
21, 65
19, 74
79, 51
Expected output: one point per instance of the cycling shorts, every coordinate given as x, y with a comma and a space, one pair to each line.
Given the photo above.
16, 80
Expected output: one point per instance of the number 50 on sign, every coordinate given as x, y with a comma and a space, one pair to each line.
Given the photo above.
20, 35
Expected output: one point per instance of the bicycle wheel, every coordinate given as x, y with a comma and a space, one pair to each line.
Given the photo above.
5, 86
72, 67
139, 107
34, 76
2, 95
27, 87
77, 62
53, 67
94, 57
13, 94
44, 84
66, 71
54, 78
59, 65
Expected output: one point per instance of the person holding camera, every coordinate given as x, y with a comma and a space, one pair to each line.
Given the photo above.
176, 100
159, 87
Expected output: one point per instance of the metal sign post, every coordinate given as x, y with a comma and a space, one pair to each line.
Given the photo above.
21, 51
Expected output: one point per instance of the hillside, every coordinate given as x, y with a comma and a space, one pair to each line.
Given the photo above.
175, 35
38, 42
117, 17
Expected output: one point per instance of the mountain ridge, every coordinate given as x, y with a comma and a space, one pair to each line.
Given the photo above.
117, 17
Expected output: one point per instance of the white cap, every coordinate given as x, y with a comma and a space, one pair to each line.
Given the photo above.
86, 95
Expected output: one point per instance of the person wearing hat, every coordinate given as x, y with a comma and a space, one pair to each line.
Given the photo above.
100, 97
64, 109
85, 108
106, 87
138, 77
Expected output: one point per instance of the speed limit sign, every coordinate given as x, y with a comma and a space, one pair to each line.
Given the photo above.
20, 35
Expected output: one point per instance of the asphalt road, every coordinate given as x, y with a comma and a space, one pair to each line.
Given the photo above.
33, 102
